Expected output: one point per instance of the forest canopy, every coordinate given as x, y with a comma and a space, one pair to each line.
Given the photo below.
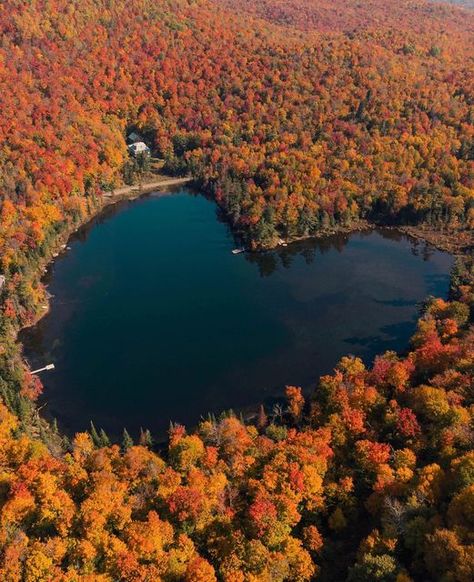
298, 118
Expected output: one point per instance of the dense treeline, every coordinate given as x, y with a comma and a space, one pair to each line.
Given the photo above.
298, 118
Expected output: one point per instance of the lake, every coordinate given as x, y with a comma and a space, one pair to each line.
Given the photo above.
154, 319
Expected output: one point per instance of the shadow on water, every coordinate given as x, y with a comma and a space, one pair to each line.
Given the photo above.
269, 261
388, 334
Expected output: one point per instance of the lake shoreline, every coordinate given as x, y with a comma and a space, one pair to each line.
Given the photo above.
450, 243
459, 243
167, 188
159, 225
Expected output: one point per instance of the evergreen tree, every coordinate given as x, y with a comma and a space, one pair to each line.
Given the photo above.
104, 439
127, 440
146, 439
95, 435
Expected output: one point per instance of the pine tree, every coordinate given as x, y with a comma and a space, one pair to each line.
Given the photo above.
127, 440
95, 436
104, 439
262, 419
146, 439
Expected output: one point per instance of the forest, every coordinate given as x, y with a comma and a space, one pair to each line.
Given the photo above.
298, 118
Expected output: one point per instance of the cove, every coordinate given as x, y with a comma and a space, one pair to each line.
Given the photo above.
153, 318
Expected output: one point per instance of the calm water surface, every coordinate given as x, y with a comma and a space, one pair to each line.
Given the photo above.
153, 319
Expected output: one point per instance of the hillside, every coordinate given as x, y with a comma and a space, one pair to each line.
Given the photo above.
464, 3
406, 16
293, 133
299, 118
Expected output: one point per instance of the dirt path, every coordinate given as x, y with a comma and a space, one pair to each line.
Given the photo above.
162, 182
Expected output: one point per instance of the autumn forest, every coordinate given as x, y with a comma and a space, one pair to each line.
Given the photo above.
298, 118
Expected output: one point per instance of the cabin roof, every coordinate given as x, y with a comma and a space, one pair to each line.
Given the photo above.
135, 137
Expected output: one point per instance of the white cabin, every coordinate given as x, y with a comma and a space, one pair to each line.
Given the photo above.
139, 147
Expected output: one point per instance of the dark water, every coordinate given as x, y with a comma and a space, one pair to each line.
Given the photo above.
154, 319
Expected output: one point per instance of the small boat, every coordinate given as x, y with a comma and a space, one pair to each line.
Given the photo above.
238, 251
